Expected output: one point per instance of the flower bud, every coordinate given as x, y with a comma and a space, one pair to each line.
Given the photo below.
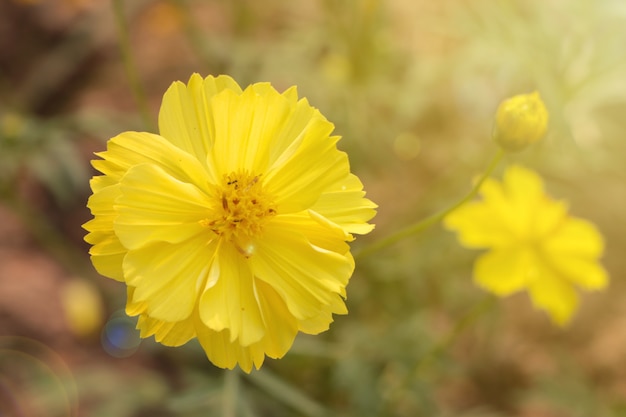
520, 121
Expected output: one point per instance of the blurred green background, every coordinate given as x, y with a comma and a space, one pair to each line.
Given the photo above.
412, 86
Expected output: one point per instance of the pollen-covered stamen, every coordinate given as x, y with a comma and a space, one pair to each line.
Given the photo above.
241, 209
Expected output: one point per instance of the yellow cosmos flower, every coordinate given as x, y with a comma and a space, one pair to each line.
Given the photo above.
231, 225
534, 244
520, 121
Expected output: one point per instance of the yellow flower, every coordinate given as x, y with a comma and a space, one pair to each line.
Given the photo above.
534, 244
520, 121
231, 225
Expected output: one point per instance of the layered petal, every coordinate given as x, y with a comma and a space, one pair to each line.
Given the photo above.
154, 206
129, 149
168, 277
321, 322
318, 230
290, 134
247, 126
227, 352
229, 300
305, 276
345, 205
123, 152
185, 118
277, 339
302, 174
107, 252
175, 333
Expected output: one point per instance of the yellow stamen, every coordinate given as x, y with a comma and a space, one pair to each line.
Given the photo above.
240, 212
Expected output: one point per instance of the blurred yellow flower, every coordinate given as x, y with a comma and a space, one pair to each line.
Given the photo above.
520, 121
231, 225
533, 244
82, 306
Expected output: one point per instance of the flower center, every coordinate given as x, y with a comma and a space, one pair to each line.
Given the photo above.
242, 209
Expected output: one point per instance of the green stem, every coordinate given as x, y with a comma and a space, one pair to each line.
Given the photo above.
129, 65
447, 341
433, 219
231, 391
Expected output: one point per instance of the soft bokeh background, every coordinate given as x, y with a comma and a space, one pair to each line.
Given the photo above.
411, 85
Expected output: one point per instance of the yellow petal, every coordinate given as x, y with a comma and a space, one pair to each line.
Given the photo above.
573, 250
214, 85
167, 277
298, 181
511, 208
184, 118
101, 205
246, 126
528, 210
478, 226
522, 185
168, 333
321, 322
154, 206
556, 296
305, 276
99, 182
547, 216
504, 271
281, 326
230, 302
107, 252
290, 135
226, 354
344, 204
133, 148
318, 230
133, 307
291, 94
589, 274
576, 237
